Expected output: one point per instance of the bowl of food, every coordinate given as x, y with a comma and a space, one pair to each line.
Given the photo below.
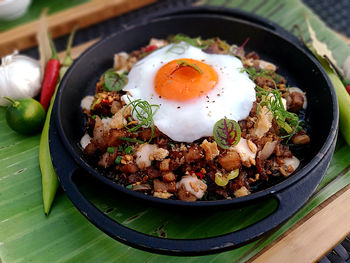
200, 108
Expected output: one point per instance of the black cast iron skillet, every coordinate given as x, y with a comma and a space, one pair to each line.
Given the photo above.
273, 44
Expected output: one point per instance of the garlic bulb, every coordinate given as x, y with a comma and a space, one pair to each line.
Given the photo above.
20, 77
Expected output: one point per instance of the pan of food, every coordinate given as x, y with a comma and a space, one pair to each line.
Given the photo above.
200, 108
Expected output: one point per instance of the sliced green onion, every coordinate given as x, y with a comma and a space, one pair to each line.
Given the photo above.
118, 160
110, 149
128, 150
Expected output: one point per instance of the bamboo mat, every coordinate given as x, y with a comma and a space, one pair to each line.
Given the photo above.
66, 236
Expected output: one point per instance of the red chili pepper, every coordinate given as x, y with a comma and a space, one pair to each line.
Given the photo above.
200, 175
150, 48
348, 89
105, 101
52, 71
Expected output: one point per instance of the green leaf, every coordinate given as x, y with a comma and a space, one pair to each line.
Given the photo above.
227, 133
320, 47
114, 81
183, 63
342, 94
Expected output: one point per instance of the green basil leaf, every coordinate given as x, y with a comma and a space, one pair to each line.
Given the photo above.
114, 81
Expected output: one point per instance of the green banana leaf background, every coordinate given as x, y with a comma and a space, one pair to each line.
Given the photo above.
36, 8
27, 235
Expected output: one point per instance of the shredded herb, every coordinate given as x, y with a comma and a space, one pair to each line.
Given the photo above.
114, 81
143, 112
253, 74
227, 133
129, 186
120, 148
93, 117
131, 140
286, 120
176, 49
272, 99
196, 42
183, 63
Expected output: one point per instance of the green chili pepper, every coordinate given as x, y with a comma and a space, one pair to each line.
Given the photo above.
48, 176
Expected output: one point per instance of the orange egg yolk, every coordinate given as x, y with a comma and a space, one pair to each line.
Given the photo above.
184, 79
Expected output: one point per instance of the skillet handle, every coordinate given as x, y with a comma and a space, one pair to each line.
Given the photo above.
223, 11
290, 200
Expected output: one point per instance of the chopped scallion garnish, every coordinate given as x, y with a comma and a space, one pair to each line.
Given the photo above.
143, 112
129, 150
110, 149
183, 63
118, 160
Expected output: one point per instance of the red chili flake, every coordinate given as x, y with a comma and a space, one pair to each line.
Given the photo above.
348, 89
150, 48
200, 175
105, 101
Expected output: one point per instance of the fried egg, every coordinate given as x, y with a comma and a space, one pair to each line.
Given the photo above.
192, 88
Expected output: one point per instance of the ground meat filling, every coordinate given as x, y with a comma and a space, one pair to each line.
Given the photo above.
187, 171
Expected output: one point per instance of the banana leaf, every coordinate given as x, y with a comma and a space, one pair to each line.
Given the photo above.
35, 10
26, 234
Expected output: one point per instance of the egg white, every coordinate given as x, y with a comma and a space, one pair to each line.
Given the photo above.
187, 121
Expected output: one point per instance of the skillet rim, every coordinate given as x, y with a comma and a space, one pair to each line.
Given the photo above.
262, 193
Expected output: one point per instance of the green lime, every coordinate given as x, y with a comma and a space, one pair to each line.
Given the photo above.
25, 116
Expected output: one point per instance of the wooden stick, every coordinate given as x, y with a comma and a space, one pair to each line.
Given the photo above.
61, 23
315, 237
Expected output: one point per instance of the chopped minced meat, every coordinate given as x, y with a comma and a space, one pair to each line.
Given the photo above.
139, 154
211, 150
158, 154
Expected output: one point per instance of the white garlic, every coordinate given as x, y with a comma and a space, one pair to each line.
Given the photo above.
20, 77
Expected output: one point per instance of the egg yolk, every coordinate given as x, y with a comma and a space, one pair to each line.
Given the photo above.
184, 79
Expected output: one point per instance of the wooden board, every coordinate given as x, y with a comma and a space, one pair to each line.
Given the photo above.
61, 23
313, 237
